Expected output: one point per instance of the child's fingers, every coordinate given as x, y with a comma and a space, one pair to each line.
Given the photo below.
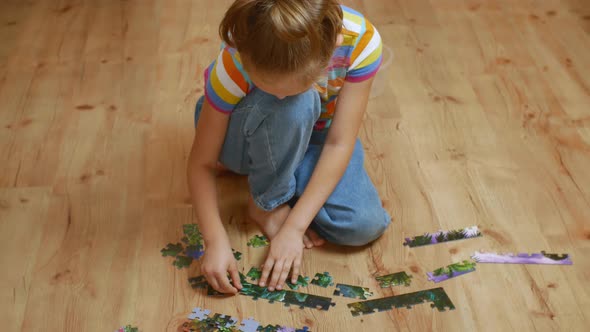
266, 271
224, 284
284, 274
276, 273
213, 283
235, 276
296, 269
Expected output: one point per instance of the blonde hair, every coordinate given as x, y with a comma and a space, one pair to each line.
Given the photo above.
284, 36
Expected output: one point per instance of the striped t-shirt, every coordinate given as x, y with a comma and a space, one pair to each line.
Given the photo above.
356, 60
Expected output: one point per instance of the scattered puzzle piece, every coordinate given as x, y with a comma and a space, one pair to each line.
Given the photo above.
442, 236
194, 251
201, 321
323, 280
451, 271
172, 250
254, 273
199, 314
237, 254
182, 261
258, 241
269, 328
128, 328
194, 247
355, 292
249, 325
523, 258
198, 282
301, 282
394, 279
192, 235
437, 296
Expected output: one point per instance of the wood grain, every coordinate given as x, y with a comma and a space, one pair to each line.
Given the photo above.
484, 119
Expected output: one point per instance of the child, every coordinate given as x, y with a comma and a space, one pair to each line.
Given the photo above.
283, 104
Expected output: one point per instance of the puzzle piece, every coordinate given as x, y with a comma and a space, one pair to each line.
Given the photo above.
192, 235
249, 325
198, 282
323, 280
437, 296
128, 328
304, 329
285, 296
278, 328
199, 314
451, 271
394, 279
194, 251
182, 261
357, 292
254, 273
443, 236
258, 241
224, 321
172, 250
523, 258
301, 282
237, 254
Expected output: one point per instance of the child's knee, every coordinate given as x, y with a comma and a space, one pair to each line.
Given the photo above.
363, 229
300, 111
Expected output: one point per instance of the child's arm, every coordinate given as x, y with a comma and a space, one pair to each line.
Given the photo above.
218, 259
334, 159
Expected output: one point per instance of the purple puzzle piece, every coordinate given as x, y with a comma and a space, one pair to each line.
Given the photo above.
522, 258
443, 236
249, 325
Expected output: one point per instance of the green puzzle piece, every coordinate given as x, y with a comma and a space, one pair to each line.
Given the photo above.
454, 268
323, 280
182, 261
172, 250
301, 282
129, 328
258, 241
192, 235
285, 296
352, 291
395, 279
237, 254
436, 296
254, 273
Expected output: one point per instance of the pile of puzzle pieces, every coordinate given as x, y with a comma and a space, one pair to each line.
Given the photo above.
193, 240
200, 321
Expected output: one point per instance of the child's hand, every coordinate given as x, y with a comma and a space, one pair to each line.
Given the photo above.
217, 262
286, 251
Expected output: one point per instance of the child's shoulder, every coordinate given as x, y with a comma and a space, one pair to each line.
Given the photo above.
354, 22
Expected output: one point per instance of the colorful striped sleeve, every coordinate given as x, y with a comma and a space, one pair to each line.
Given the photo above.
366, 56
226, 82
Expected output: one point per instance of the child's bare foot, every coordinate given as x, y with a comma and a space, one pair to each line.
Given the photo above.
312, 239
269, 221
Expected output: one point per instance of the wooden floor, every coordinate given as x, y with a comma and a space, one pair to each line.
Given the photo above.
484, 119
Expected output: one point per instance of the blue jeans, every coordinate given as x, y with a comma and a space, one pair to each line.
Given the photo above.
272, 142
